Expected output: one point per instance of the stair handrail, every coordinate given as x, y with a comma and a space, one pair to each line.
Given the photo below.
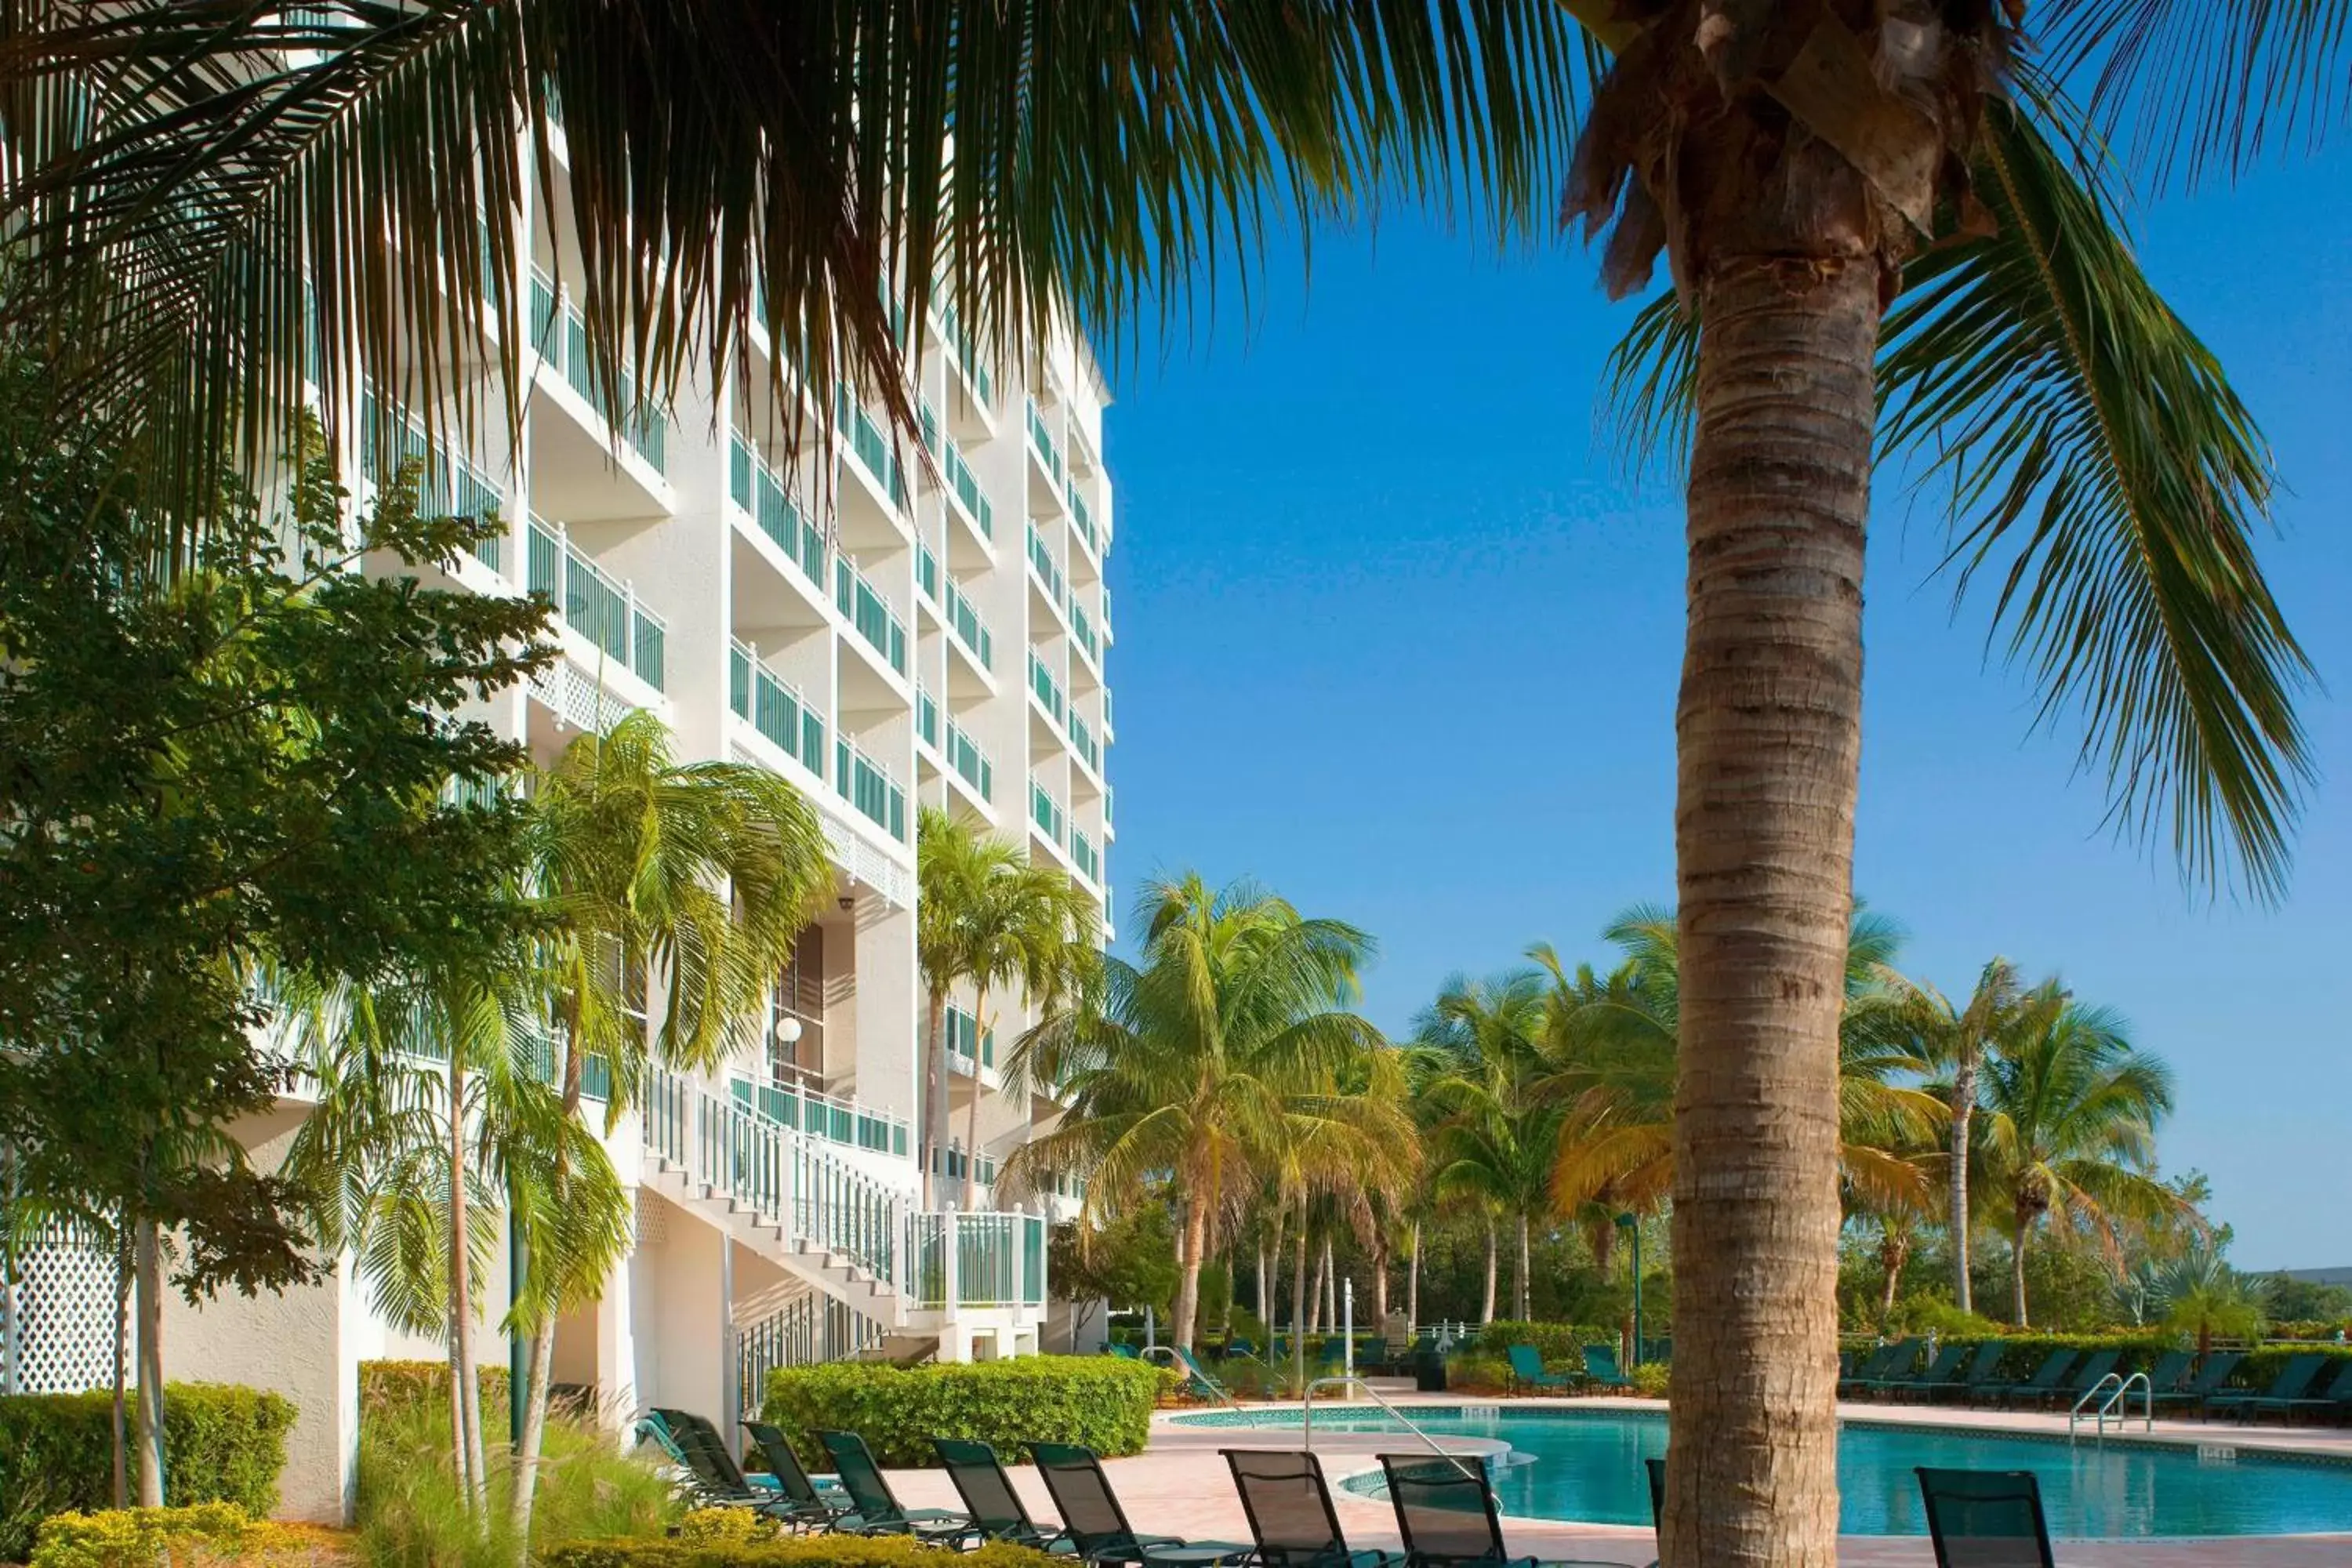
2109, 1395
1307, 1411
779, 1172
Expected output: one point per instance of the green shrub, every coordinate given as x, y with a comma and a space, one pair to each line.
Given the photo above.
221, 1443
808, 1551
1103, 1402
1560, 1344
411, 1513
1928, 1314
389, 1385
2263, 1363
1477, 1374
142, 1537
1650, 1380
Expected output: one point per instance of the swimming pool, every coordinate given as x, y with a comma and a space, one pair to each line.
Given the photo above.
1587, 1465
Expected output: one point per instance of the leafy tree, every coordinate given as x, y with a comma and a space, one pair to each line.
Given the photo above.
2071, 1110
987, 918
234, 760
2198, 1293
1222, 1057
1128, 1261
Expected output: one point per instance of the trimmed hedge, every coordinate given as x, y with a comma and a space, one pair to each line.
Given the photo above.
388, 1385
221, 1443
144, 1537
1562, 1345
1103, 1402
809, 1552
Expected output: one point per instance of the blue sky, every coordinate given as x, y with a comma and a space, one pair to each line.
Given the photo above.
1396, 638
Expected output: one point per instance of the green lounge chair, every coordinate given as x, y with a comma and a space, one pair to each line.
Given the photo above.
2294, 1381
996, 1507
1940, 1370
1985, 1519
1983, 1367
879, 1512
2094, 1368
1879, 1365
808, 1505
1197, 1378
1097, 1526
1125, 1351
2337, 1398
1528, 1370
1853, 1370
2169, 1369
1601, 1367
713, 1478
1445, 1512
2050, 1375
1290, 1512
2195, 1391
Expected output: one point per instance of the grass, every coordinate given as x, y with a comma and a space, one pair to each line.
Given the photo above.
411, 1513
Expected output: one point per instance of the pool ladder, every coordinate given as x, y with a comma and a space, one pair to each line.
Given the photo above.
1307, 1409
2113, 1396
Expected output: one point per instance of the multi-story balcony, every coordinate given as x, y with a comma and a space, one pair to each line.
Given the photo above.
868, 443
760, 491
964, 358
969, 1049
837, 1120
927, 717
777, 710
1041, 441
561, 331
1083, 522
1047, 813
606, 613
1085, 856
970, 762
1046, 688
447, 485
970, 628
870, 787
855, 595
962, 484
1082, 740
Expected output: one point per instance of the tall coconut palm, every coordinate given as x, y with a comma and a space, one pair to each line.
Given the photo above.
1495, 1141
986, 916
1223, 1056
678, 886
1801, 166
1953, 1041
2069, 1144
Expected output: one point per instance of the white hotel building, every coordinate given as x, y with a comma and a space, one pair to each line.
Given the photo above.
936, 635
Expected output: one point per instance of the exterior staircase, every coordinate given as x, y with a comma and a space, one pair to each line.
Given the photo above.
783, 1194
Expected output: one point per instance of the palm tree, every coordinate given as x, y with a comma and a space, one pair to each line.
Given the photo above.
986, 916
2199, 1293
1799, 174
1953, 1040
1221, 1058
2069, 1137
688, 880
1494, 1142
435, 1112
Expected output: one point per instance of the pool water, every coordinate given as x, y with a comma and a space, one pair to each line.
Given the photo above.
1586, 1466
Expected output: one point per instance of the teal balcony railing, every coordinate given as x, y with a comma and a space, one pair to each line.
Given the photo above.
970, 628
605, 612
561, 333
824, 1116
1047, 813
1042, 440
970, 763
963, 355
869, 786
777, 710
1086, 523
1083, 630
927, 572
1105, 617
962, 483
1057, 587
856, 598
927, 717
1082, 739
1048, 689
986, 1258
966, 1040
1082, 851
446, 484
755, 487
1107, 725
868, 443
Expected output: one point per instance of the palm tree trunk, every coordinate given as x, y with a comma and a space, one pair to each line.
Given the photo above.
1315, 1295
540, 1365
1413, 1280
121, 1366
147, 1422
1188, 1280
1380, 1277
459, 1465
1487, 1307
2017, 1276
1769, 730
935, 1094
1330, 1275
1519, 1284
1893, 1251
1964, 1109
1298, 1305
461, 1292
1265, 1296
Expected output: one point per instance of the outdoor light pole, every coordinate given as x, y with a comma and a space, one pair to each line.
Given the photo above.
1632, 1227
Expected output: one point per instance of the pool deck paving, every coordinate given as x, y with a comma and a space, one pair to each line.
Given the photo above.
1180, 1485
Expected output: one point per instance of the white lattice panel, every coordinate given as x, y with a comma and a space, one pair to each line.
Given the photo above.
58, 1312
579, 701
